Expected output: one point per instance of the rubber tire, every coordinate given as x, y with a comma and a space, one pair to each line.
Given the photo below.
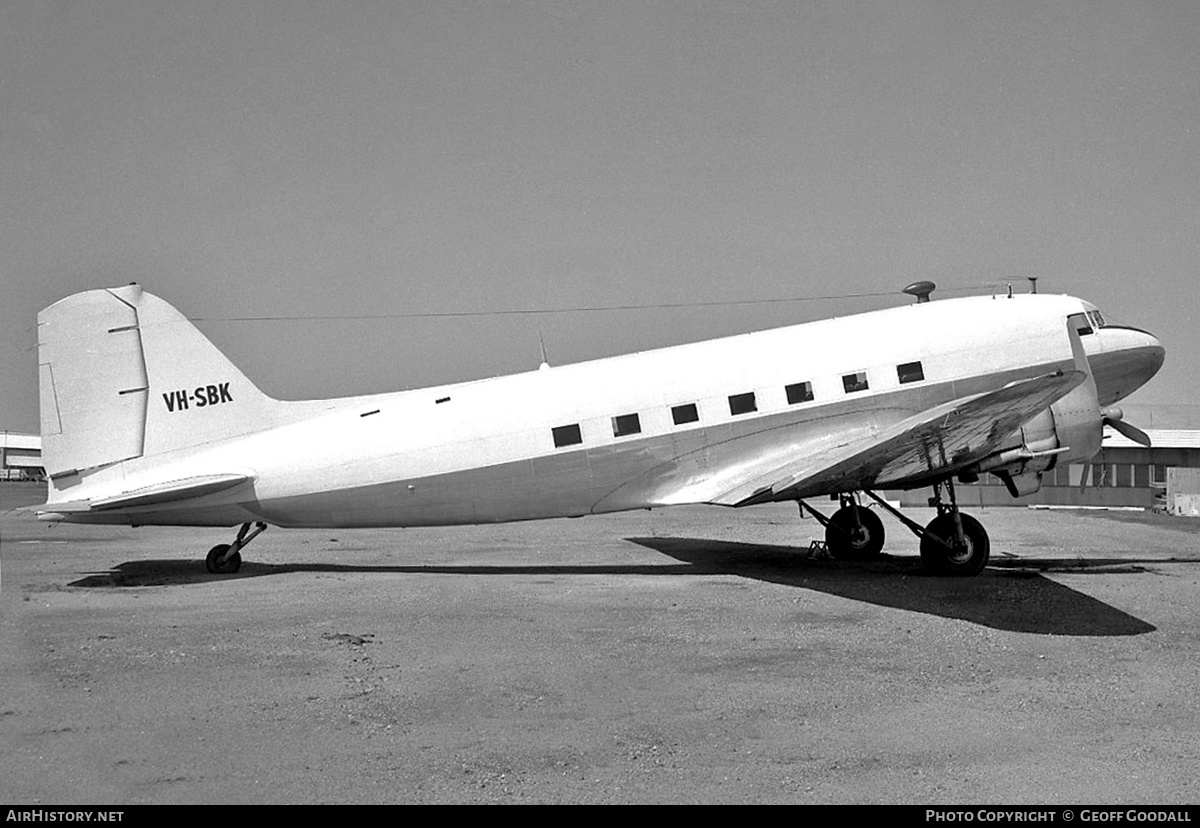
968, 562
229, 567
845, 544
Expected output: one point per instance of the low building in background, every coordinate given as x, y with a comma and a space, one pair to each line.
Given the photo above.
1183, 492
20, 456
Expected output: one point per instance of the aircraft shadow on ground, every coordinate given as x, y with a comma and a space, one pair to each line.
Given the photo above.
149, 573
1012, 594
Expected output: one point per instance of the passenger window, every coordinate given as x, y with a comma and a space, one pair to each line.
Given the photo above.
742, 404
855, 382
686, 413
798, 392
568, 435
626, 424
910, 372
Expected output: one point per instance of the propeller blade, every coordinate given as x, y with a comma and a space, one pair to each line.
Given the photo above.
1131, 431
1115, 417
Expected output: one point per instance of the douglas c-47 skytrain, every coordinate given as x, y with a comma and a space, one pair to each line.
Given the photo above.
144, 421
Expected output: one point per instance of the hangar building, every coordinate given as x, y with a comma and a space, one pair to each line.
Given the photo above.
20, 456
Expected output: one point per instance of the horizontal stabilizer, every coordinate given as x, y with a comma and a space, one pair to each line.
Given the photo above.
169, 492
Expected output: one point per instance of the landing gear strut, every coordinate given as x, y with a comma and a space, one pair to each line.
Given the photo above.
226, 558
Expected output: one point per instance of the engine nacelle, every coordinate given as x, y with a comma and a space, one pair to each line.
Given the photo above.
1069, 431
1079, 423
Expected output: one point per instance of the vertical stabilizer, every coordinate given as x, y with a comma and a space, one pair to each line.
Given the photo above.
196, 396
125, 375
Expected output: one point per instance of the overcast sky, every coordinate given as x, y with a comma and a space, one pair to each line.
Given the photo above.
362, 159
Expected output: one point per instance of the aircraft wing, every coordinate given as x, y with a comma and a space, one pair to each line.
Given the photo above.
930, 444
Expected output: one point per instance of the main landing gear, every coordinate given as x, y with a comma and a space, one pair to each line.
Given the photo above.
854, 533
226, 558
951, 544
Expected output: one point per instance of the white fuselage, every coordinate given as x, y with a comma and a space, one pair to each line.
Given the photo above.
486, 451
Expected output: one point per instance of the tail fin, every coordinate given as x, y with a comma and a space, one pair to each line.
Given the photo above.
125, 375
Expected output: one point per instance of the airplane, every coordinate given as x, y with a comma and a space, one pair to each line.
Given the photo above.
145, 422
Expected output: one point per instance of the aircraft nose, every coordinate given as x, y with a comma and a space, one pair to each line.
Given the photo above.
1146, 355
1130, 357
1155, 355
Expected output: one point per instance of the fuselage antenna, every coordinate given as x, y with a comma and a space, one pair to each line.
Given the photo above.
921, 290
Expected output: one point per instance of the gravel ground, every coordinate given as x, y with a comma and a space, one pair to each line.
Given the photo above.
689, 655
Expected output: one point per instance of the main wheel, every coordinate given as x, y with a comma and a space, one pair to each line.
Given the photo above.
851, 540
213, 562
961, 560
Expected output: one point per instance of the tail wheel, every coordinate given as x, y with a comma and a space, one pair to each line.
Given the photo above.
213, 562
960, 559
849, 539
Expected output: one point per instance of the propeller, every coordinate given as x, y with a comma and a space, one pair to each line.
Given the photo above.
1114, 417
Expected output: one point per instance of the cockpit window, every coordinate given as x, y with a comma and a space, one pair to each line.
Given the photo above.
1097, 318
1081, 324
